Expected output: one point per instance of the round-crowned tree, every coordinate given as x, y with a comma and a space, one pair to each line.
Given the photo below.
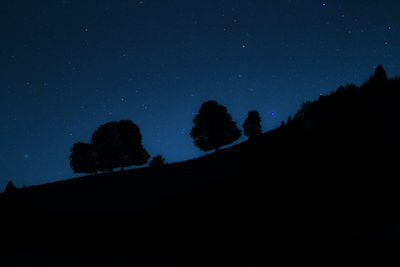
105, 146
82, 158
118, 144
252, 125
130, 148
213, 127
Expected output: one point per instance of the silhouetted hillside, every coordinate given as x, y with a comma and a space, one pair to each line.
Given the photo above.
321, 190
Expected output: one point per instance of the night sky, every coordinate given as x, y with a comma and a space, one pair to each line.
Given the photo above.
68, 66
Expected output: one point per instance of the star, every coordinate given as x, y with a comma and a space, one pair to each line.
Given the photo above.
144, 107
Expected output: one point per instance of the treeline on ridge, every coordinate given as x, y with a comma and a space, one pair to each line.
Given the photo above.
119, 144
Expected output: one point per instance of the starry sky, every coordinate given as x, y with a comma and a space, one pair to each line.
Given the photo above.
68, 66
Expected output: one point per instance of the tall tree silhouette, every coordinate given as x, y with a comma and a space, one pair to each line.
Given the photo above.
118, 144
213, 127
157, 161
82, 158
379, 76
10, 187
252, 125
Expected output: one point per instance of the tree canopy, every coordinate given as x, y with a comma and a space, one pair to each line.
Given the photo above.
252, 125
10, 187
130, 149
82, 158
105, 144
213, 127
114, 144
118, 144
379, 76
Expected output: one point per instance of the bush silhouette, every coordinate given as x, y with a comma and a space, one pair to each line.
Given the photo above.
157, 161
252, 125
118, 144
10, 188
82, 158
213, 127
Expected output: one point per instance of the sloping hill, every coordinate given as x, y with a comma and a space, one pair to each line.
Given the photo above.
320, 190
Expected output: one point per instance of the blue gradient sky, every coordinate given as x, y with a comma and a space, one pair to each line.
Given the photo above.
69, 66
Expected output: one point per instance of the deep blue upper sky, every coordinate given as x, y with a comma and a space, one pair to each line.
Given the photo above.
68, 66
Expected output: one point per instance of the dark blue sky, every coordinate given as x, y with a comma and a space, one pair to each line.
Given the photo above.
68, 66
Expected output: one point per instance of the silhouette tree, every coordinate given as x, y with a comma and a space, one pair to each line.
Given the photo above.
213, 127
289, 120
379, 76
118, 144
130, 149
105, 145
304, 109
10, 187
157, 161
82, 158
252, 125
